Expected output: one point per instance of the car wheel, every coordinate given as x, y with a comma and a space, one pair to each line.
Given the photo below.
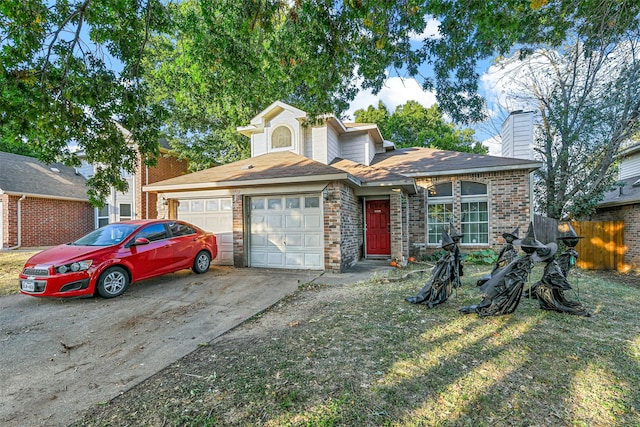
202, 262
113, 282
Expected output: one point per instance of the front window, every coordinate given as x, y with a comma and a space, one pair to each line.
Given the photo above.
474, 213
125, 211
281, 137
439, 211
103, 216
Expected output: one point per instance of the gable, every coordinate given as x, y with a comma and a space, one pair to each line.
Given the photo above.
281, 127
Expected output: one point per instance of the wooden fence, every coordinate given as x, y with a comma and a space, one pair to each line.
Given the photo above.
601, 248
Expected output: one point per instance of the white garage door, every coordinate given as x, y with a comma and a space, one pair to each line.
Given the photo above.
287, 232
213, 215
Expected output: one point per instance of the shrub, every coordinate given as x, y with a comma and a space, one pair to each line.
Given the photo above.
483, 257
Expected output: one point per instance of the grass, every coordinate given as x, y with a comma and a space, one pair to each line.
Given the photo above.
11, 263
359, 355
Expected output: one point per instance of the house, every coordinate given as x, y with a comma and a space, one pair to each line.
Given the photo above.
324, 195
623, 203
41, 205
134, 203
46, 205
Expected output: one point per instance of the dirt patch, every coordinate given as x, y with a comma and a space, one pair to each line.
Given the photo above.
59, 357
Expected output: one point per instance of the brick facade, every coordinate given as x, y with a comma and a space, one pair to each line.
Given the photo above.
351, 220
44, 221
147, 206
332, 228
508, 195
239, 256
397, 210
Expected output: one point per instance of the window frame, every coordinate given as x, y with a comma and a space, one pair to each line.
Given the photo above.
274, 131
446, 201
479, 224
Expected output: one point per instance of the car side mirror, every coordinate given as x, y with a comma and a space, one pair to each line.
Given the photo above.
140, 241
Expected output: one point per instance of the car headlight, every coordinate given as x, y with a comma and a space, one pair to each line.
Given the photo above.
74, 266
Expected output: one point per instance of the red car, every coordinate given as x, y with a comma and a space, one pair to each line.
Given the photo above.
108, 259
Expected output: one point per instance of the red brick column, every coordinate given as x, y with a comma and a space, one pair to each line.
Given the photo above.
239, 258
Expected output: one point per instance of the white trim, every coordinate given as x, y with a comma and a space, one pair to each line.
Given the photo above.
44, 196
250, 183
528, 166
294, 145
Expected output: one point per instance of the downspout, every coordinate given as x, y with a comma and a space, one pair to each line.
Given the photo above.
19, 212
146, 194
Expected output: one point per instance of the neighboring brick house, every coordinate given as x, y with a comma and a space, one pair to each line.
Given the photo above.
134, 203
41, 205
323, 196
45, 205
623, 204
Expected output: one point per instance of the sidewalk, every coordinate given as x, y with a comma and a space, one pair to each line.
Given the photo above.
361, 271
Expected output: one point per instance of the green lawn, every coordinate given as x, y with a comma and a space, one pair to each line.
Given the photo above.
359, 355
11, 263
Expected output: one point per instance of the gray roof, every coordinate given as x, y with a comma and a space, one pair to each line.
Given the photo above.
25, 175
627, 194
418, 161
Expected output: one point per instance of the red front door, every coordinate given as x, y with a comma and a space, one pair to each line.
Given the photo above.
378, 222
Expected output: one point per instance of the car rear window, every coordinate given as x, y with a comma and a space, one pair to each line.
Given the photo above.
180, 229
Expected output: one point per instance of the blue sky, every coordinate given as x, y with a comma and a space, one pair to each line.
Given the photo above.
399, 90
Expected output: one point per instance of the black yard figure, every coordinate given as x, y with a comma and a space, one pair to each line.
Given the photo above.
457, 256
567, 259
551, 288
438, 289
503, 291
507, 254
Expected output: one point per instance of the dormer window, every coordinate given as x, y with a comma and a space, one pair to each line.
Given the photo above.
281, 138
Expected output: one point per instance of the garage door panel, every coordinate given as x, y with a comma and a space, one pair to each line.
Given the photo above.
294, 220
259, 259
294, 230
258, 223
275, 259
274, 221
312, 241
313, 260
295, 260
214, 215
276, 240
225, 238
294, 240
259, 240
313, 222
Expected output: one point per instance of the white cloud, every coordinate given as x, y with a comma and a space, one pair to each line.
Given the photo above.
396, 91
431, 31
494, 144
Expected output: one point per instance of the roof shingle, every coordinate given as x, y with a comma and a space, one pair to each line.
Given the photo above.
26, 175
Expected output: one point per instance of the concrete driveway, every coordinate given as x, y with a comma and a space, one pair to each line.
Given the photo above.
60, 357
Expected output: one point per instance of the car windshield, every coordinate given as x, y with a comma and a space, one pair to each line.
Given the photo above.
108, 235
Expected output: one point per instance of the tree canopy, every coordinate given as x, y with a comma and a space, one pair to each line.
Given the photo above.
588, 104
413, 125
72, 71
